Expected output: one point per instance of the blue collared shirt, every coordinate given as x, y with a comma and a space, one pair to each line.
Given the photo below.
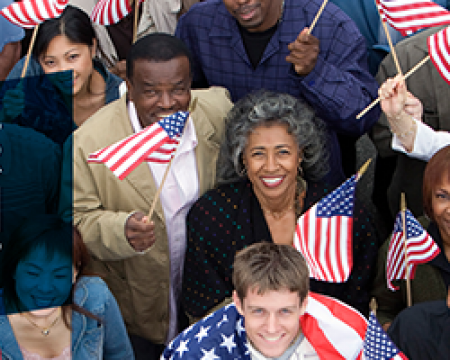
338, 87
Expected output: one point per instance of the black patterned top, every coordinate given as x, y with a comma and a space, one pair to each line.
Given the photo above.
229, 218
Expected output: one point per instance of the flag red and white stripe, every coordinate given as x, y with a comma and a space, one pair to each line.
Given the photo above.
156, 143
108, 12
29, 13
439, 50
420, 248
324, 235
334, 329
409, 16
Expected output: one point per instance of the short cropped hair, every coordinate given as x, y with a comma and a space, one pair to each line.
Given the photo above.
270, 267
437, 169
267, 108
157, 47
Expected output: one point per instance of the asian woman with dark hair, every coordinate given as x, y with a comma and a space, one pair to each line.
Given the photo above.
44, 267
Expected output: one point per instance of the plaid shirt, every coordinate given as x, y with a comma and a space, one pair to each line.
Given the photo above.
338, 87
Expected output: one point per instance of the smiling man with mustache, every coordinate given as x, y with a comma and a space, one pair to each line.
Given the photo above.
247, 45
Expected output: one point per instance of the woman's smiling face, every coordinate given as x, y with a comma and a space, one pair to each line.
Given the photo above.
43, 281
271, 158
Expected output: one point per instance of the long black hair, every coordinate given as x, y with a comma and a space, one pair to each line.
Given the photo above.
74, 23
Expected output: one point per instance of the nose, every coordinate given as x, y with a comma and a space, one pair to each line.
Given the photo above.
46, 284
272, 162
166, 101
272, 324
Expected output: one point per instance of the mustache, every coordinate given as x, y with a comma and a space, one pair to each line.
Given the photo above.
246, 9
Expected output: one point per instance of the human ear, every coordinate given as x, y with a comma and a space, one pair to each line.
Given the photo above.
238, 303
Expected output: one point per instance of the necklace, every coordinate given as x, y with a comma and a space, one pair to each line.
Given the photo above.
45, 331
277, 215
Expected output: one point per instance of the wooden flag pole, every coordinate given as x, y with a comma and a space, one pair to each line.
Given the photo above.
405, 239
391, 46
407, 75
363, 169
166, 172
136, 15
317, 17
30, 49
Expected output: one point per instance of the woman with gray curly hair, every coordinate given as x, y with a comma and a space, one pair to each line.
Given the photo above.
270, 169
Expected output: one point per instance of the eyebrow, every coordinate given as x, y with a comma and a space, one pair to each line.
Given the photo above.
276, 147
64, 267
66, 53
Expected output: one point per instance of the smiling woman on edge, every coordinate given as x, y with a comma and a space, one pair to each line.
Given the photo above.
270, 168
40, 271
65, 45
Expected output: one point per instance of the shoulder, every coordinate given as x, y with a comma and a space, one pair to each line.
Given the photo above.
213, 99
92, 294
201, 12
30, 139
104, 127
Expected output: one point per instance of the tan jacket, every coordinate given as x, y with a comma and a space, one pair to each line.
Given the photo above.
140, 282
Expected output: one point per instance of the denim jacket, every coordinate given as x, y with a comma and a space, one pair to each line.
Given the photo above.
107, 340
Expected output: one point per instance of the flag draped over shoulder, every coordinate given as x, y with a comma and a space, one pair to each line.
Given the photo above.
324, 234
377, 345
108, 12
421, 248
156, 143
335, 331
29, 13
439, 50
409, 16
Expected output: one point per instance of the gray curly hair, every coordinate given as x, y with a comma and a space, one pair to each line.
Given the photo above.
265, 108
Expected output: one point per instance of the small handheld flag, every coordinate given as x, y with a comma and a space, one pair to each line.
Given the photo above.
420, 248
29, 13
439, 50
409, 16
324, 233
156, 143
377, 345
108, 12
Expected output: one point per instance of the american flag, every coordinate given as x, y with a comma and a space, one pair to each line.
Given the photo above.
107, 12
439, 50
408, 16
377, 345
421, 248
335, 331
156, 143
29, 13
324, 234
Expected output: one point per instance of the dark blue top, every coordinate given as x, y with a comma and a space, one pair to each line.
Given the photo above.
29, 176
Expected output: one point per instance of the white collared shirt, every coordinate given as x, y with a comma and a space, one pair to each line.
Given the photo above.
180, 191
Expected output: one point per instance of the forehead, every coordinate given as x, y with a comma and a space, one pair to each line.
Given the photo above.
271, 299
271, 134
161, 72
60, 44
42, 257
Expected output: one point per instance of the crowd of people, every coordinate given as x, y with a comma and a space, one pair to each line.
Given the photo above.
86, 272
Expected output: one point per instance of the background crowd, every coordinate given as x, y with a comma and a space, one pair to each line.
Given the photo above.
87, 273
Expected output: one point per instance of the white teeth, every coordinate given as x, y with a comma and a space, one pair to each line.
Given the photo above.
272, 338
272, 180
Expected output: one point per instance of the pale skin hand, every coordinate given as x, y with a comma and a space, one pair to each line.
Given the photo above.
400, 106
139, 232
303, 53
